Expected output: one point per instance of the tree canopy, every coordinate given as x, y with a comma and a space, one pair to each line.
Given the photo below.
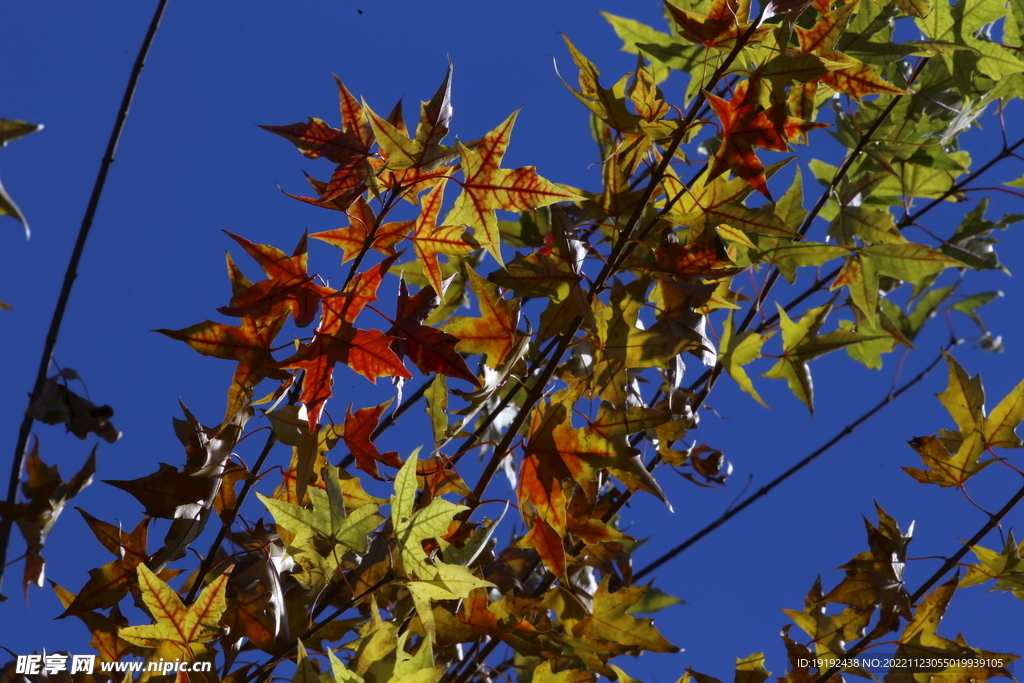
444, 458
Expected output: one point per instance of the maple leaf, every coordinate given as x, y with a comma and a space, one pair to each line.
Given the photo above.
429, 240
708, 206
367, 352
351, 487
349, 148
359, 427
430, 349
737, 351
744, 126
287, 286
933, 656
56, 403
109, 583
608, 105
363, 233
177, 628
556, 452
291, 427
843, 73
619, 344
945, 468
875, 577
802, 344
249, 344
724, 23
609, 625
829, 633
326, 521
47, 495
103, 629
494, 332
550, 546
451, 582
1007, 567
486, 187
964, 398
425, 151
187, 496
827, 29
618, 198
540, 486
412, 528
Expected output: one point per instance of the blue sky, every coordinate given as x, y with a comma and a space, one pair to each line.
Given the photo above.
192, 162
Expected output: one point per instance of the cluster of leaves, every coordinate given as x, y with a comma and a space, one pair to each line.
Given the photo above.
609, 294
874, 584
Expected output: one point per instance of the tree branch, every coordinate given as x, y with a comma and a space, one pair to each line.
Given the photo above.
71, 274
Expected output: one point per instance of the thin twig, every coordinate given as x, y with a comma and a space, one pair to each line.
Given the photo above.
72, 273
766, 489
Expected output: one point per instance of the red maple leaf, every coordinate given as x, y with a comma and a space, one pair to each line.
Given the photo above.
746, 125
349, 147
359, 427
368, 352
430, 349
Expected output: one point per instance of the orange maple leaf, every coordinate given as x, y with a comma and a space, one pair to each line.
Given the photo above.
856, 79
494, 332
364, 233
248, 344
429, 240
744, 126
725, 21
540, 486
288, 285
549, 545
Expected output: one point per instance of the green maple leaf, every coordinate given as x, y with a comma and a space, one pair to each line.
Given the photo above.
328, 518
739, 349
412, 528
964, 398
801, 344
1007, 568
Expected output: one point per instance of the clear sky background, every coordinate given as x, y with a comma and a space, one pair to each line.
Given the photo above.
192, 163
